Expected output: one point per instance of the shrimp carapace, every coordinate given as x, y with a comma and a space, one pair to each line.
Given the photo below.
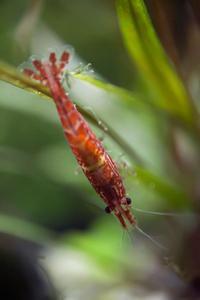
96, 163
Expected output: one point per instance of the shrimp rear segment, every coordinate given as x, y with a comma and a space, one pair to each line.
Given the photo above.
95, 162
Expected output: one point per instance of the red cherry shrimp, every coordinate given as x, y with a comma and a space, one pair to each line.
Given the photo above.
95, 162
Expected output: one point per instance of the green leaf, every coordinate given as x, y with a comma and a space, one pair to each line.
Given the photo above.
128, 97
10, 75
165, 87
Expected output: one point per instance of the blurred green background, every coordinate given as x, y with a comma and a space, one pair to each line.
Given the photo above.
45, 198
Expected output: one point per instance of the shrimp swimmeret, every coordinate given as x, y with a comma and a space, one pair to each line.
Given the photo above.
96, 163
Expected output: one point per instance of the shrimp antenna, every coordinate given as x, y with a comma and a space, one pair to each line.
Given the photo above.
150, 238
159, 213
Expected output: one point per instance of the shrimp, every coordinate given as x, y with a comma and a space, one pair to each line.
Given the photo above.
97, 165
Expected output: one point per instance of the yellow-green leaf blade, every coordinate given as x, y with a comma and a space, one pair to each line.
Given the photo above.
165, 87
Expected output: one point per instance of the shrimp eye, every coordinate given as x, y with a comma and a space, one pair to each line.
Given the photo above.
128, 200
108, 210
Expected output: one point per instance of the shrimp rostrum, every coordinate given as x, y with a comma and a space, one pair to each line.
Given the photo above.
96, 163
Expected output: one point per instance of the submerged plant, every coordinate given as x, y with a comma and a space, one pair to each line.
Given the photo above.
166, 93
